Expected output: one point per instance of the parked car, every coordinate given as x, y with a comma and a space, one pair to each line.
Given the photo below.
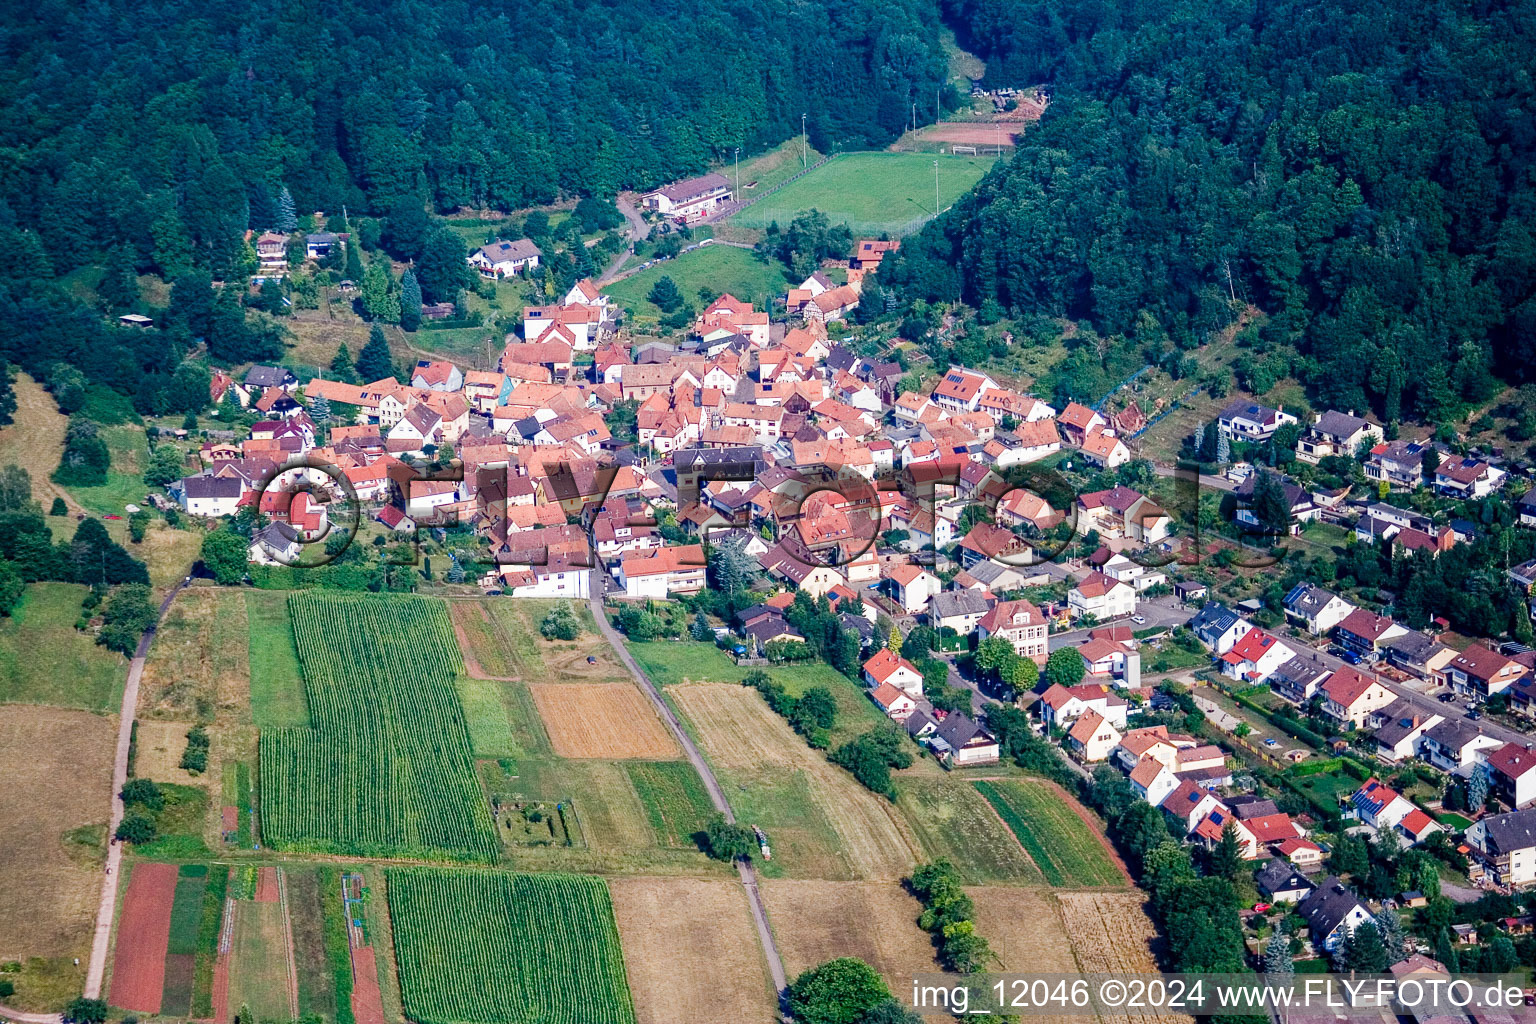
1140, 620
1270, 741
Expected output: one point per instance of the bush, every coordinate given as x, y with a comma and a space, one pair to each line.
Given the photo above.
85, 1011
728, 842
143, 793
195, 758
136, 828
560, 624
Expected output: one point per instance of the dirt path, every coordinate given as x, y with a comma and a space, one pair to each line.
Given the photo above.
635, 228
744, 868
108, 907
293, 974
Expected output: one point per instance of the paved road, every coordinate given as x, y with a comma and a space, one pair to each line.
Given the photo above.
636, 229
1158, 611
744, 868
107, 908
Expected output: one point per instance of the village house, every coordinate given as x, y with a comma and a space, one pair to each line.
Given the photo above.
208, 495
1505, 846
435, 375
912, 587
1456, 744
1189, 804
889, 668
1314, 609
1105, 450
505, 259
1379, 806
959, 610
1022, 625
1254, 657
1403, 725
1335, 433
1092, 738
1243, 420
1400, 464
961, 390
1481, 672
1282, 883
1218, 627
1460, 477
663, 571
1061, 705
1102, 597
897, 704
1363, 632
1152, 780
1351, 698
1511, 774
1332, 913
691, 199
1122, 512
1077, 421
961, 742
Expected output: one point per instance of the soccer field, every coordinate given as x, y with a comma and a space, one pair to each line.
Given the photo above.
872, 192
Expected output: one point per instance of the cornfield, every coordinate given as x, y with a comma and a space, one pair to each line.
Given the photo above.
481, 947
384, 767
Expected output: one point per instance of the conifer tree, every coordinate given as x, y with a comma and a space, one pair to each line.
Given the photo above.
374, 362
410, 301
287, 214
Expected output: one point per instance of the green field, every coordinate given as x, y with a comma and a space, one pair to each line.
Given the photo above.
490, 735
277, 684
1060, 843
954, 822
674, 799
387, 766
872, 193
720, 268
45, 660
478, 947
187, 908
129, 446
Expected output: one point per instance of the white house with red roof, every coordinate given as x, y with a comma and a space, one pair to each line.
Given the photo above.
1104, 449
1092, 737
1152, 780
1418, 826
1100, 596
1303, 853
1352, 698
1189, 804
662, 571
1076, 421
913, 587
1060, 705
690, 199
1151, 741
961, 389
897, 704
889, 667
1255, 655
1512, 773
1021, 624
1211, 829
1378, 805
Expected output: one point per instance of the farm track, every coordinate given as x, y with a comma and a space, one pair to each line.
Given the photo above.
744, 869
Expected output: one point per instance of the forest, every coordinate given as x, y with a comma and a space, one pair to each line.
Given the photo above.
1359, 172
147, 137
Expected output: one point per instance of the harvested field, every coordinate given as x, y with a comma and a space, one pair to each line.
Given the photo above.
532, 658
1025, 928
1111, 932
874, 921
604, 720
35, 440
785, 786
138, 966
57, 766
198, 666
689, 951
158, 753
266, 885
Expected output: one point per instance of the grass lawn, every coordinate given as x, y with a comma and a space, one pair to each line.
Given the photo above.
44, 660
720, 268
1058, 841
872, 192
277, 683
1455, 821
125, 478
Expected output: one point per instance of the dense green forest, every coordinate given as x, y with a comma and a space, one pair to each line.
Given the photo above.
149, 136
1359, 171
